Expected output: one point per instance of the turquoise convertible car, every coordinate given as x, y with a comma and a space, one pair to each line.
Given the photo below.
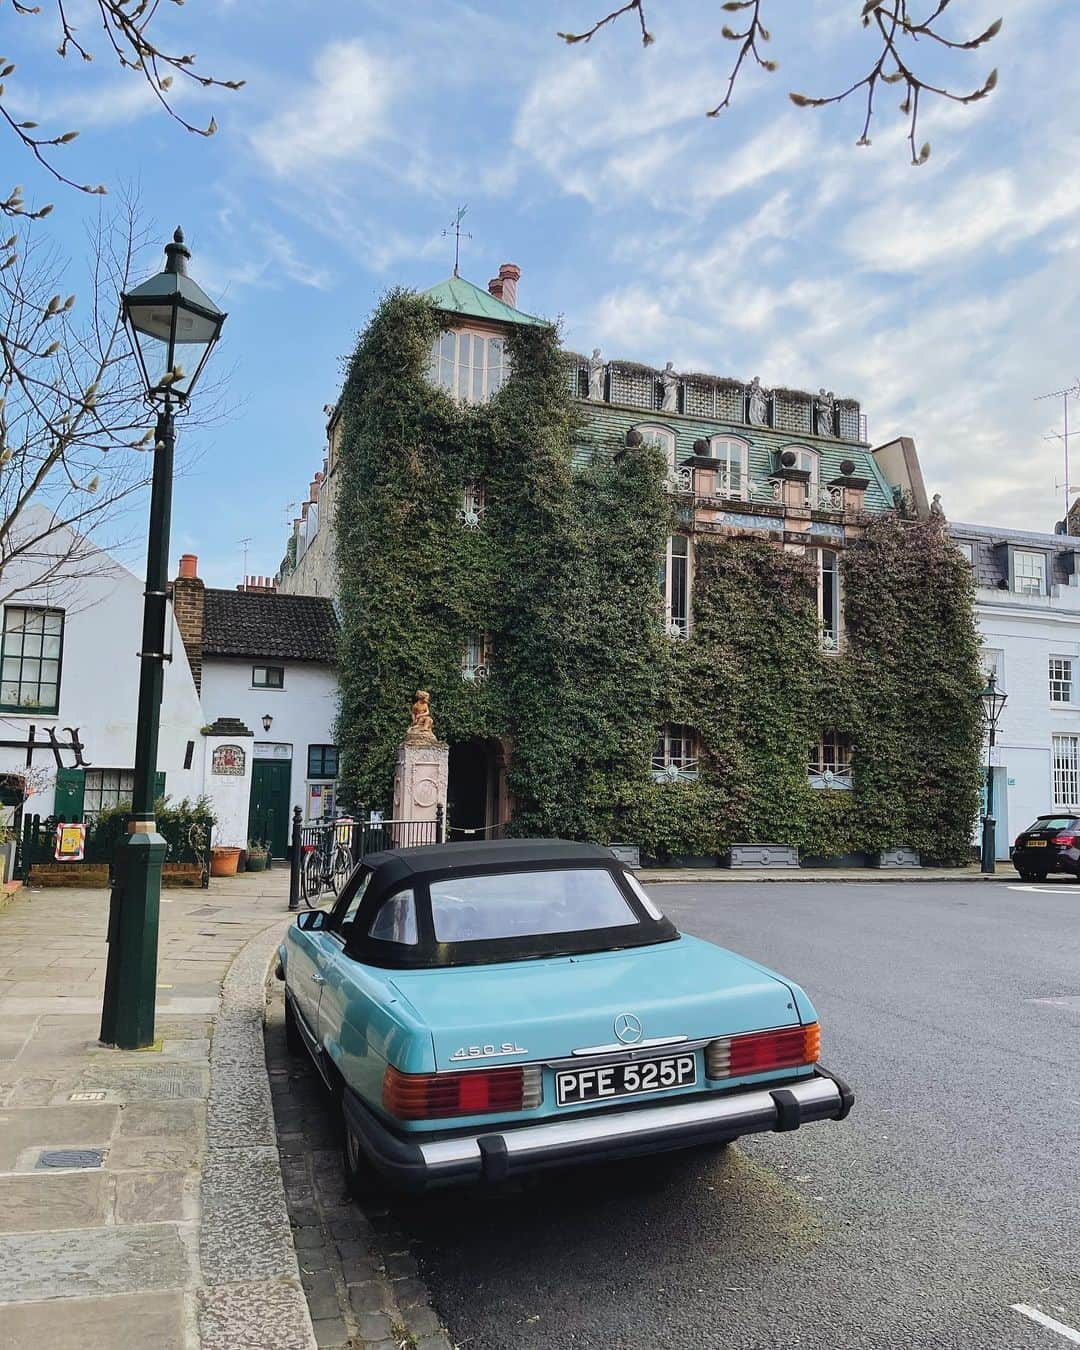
484, 1010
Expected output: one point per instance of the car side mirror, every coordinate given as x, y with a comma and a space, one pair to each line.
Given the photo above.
312, 920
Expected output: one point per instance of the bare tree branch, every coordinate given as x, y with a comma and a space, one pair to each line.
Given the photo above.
126, 26
73, 419
899, 32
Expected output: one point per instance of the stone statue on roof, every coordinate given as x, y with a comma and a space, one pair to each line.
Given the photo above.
937, 511
825, 413
757, 403
669, 384
596, 376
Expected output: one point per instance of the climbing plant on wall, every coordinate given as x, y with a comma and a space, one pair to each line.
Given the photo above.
562, 578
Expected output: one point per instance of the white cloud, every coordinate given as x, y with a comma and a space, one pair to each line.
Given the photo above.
337, 116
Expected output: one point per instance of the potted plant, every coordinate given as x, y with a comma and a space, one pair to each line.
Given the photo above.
224, 861
258, 856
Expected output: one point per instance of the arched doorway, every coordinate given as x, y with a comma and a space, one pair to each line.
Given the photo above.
476, 789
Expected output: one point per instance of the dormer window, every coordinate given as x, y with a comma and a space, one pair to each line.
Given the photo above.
471, 366
1029, 572
730, 456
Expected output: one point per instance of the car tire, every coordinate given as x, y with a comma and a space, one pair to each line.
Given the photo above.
294, 1042
361, 1179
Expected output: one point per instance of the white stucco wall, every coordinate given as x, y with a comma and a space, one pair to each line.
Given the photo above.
1021, 633
303, 711
99, 680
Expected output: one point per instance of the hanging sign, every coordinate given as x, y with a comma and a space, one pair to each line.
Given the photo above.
70, 843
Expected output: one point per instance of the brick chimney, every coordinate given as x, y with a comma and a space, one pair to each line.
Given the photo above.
189, 602
504, 286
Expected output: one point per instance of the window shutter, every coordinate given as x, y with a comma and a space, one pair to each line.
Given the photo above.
68, 797
159, 785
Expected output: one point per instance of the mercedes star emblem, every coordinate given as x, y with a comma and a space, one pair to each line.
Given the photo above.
628, 1028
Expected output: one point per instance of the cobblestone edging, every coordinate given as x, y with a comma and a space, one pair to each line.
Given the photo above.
361, 1280
251, 1295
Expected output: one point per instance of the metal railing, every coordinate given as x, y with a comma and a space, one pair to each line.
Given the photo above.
324, 853
187, 840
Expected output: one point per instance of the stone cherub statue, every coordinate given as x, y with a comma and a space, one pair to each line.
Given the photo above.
422, 728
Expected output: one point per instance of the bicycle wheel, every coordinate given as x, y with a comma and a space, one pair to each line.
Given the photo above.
312, 878
342, 868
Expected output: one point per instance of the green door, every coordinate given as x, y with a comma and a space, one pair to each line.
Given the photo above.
268, 814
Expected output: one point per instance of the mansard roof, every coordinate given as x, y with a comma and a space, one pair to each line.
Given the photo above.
265, 626
455, 295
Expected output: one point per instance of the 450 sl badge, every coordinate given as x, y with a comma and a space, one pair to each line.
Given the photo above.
487, 1051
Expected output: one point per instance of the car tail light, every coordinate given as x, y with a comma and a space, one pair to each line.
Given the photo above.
1065, 840
472, 1092
762, 1051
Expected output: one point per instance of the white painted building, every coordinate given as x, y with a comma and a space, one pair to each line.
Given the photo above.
68, 663
268, 662
1028, 606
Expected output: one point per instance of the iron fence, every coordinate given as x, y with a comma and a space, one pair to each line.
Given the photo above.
323, 853
187, 840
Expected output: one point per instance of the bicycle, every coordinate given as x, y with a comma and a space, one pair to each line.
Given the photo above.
328, 864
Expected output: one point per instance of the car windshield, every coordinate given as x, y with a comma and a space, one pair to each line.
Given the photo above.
524, 904
1053, 823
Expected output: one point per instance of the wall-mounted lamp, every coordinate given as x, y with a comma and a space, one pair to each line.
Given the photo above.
268, 721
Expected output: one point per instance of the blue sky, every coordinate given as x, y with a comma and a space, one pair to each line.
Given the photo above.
760, 242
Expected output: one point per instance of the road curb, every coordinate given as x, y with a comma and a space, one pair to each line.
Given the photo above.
251, 1294
657, 876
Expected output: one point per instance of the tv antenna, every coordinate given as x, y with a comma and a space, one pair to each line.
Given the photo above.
1071, 391
244, 543
455, 229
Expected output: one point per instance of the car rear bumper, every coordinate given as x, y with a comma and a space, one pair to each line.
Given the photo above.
1049, 859
416, 1164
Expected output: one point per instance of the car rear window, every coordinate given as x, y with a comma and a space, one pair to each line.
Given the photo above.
525, 904
1053, 823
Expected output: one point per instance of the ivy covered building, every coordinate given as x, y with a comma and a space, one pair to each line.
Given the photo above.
659, 607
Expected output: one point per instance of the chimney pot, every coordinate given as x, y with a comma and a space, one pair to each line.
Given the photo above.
495, 286
189, 565
509, 275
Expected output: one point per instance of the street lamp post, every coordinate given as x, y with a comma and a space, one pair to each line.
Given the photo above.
993, 701
173, 326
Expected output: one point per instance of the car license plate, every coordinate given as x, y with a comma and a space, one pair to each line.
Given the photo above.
1036, 843
574, 1086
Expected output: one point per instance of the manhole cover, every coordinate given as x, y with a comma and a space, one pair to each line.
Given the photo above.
70, 1157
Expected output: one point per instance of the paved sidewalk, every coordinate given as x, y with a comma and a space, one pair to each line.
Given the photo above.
165, 1226
835, 875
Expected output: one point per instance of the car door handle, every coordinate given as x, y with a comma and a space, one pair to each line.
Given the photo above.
319, 979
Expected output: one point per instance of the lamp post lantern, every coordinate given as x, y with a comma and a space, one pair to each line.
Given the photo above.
173, 326
993, 701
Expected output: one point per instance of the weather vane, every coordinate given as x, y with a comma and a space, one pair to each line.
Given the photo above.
455, 229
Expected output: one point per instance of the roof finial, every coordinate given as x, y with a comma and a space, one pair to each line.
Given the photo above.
177, 254
455, 229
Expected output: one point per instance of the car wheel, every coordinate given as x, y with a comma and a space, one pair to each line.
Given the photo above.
294, 1042
361, 1179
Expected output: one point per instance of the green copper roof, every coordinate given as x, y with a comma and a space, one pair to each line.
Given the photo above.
458, 296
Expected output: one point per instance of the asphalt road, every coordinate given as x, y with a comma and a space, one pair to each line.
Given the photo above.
950, 1193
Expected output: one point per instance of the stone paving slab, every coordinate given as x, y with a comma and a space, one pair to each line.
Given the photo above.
145, 1321
182, 1232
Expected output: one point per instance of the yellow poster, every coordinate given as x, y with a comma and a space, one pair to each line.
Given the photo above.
70, 843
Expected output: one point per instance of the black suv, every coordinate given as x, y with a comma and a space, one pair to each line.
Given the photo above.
1051, 844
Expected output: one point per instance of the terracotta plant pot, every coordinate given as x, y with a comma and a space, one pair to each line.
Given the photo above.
223, 861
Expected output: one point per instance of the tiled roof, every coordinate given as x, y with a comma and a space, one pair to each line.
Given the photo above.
990, 563
269, 627
458, 296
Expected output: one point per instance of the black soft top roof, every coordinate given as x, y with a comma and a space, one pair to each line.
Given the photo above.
434, 860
